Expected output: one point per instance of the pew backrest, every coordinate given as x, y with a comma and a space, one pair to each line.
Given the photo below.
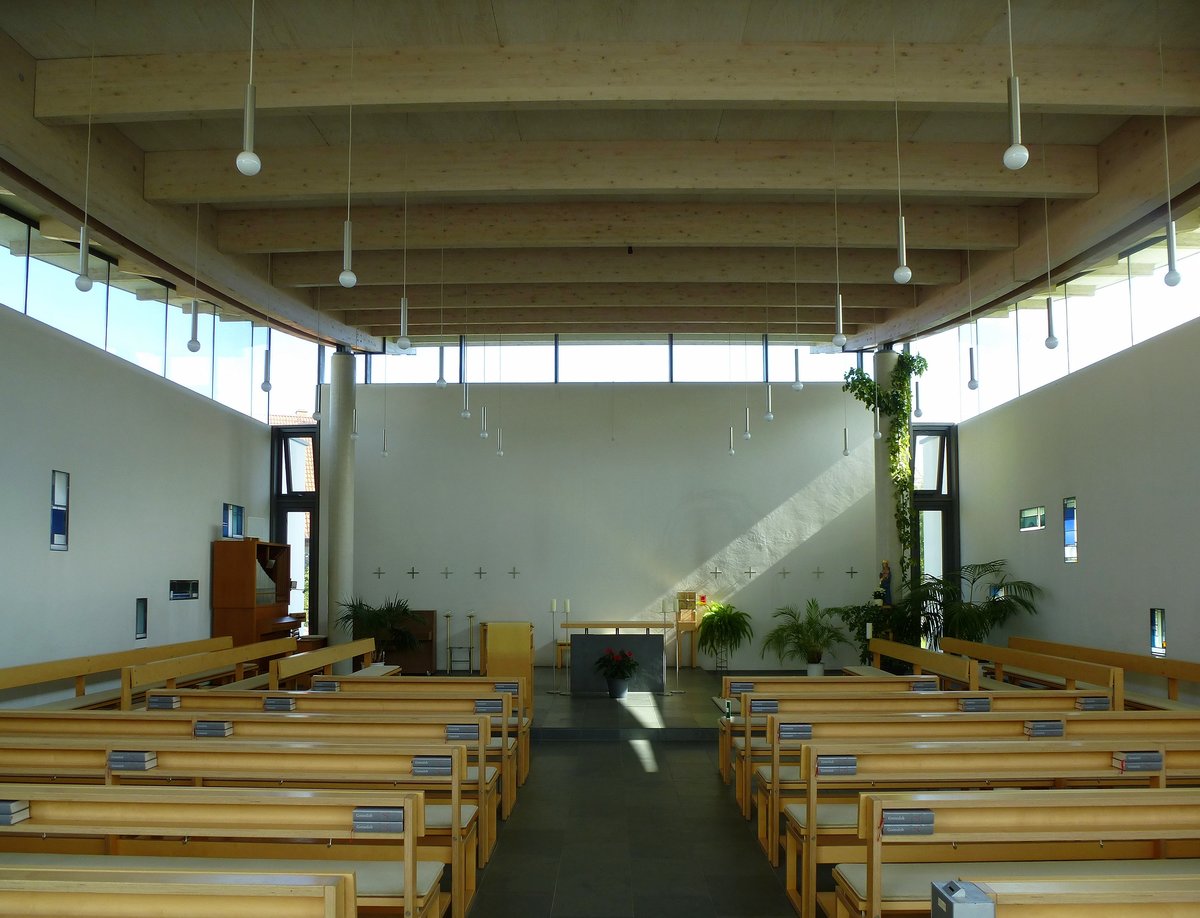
322, 660
955, 669
138, 677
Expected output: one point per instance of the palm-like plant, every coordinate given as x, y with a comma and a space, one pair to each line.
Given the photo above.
805, 634
969, 602
722, 630
390, 622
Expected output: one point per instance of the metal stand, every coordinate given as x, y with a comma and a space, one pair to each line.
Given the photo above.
554, 650
455, 652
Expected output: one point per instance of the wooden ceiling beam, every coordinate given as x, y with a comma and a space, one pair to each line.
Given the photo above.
516, 332
584, 223
610, 265
516, 315
1082, 233
317, 175
494, 296
609, 75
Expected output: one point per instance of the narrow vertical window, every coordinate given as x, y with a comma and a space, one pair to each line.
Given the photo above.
60, 494
1158, 632
141, 614
1070, 531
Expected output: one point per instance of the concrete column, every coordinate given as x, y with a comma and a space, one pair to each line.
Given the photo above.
338, 483
887, 543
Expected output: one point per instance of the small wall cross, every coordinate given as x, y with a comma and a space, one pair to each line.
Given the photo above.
481, 573
750, 573
818, 572
446, 572
514, 573
852, 572
784, 572
716, 571
412, 572
378, 572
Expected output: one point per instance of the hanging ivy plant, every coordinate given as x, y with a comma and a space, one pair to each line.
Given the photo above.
895, 400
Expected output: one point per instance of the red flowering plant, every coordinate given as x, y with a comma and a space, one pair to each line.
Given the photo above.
616, 664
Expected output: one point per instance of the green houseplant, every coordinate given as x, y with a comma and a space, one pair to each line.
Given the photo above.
618, 667
967, 603
722, 630
390, 623
807, 634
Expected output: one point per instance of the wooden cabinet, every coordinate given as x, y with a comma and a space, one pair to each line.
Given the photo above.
506, 649
422, 659
251, 584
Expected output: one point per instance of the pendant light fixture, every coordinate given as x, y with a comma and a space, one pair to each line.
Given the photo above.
500, 398
1051, 338
797, 385
845, 441
83, 282
317, 406
903, 273
483, 428
193, 344
441, 380
972, 380
1172, 277
462, 363
500, 442
384, 450
348, 278
354, 423
731, 449
1017, 154
247, 160
769, 414
266, 380
917, 412
746, 430
839, 333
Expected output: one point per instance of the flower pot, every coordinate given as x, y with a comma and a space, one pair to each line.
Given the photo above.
816, 669
617, 688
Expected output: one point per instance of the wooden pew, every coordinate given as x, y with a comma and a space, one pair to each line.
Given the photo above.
228, 762
366, 729
286, 671
522, 719
101, 893
948, 667
31, 675
139, 677
730, 701
1174, 671
1070, 672
821, 833
748, 749
502, 750
1006, 825
1096, 897
239, 826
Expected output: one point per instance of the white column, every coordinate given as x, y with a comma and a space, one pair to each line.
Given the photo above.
887, 543
338, 482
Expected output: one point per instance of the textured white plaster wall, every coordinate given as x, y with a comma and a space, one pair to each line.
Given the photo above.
150, 464
1122, 437
614, 496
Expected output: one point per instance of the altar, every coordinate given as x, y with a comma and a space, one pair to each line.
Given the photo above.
635, 636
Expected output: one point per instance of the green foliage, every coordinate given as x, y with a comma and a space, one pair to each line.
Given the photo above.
895, 623
969, 602
895, 400
805, 634
617, 664
723, 629
390, 622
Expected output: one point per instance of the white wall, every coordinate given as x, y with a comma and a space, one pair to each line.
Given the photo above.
1122, 437
614, 496
150, 464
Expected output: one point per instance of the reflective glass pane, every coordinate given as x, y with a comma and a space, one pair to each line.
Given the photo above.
293, 378
421, 367
53, 297
996, 358
192, 370
1097, 325
137, 327
581, 362
14, 241
927, 449
1039, 364
739, 361
1158, 308
260, 400
932, 563
944, 382
233, 365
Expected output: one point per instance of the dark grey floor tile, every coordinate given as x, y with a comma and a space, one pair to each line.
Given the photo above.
667, 904
512, 904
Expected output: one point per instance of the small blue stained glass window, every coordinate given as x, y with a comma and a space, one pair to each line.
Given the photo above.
1070, 531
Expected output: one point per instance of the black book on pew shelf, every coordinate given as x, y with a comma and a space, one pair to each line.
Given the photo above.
462, 731
279, 704
510, 687
908, 817
1149, 760
1044, 728
325, 685
977, 705
379, 814
489, 706
925, 685
163, 702
907, 829
764, 706
213, 728
379, 827
132, 761
795, 731
8, 807
11, 819
1092, 703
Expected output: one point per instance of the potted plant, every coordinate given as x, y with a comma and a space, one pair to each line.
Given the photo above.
805, 634
390, 623
967, 603
617, 667
722, 630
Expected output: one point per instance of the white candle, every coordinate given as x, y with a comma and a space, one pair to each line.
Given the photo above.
554, 605
568, 602
870, 630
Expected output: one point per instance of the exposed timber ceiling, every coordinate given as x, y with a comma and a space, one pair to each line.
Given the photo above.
600, 167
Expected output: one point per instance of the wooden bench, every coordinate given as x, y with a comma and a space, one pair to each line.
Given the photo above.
481, 783
230, 663
521, 722
239, 827
948, 667
749, 749
78, 669
1071, 673
451, 826
730, 700
1011, 825
66, 892
1098, 897
286, 672
1174, 671
820, 807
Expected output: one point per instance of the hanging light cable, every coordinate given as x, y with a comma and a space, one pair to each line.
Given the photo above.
83, 282
193, 344
348, 278
317, 406
441, 380
1017, 154
500, 398
1172, 277
247, 160
266, 380
384, 451
903, 273
797, 384
462, 363
1051, 338
972, 380
839, 333
404, 342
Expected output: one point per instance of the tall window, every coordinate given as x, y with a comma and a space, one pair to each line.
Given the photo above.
295, 497
1070, 531
935, 499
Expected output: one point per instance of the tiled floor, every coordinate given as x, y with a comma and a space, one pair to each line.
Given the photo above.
627, 826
